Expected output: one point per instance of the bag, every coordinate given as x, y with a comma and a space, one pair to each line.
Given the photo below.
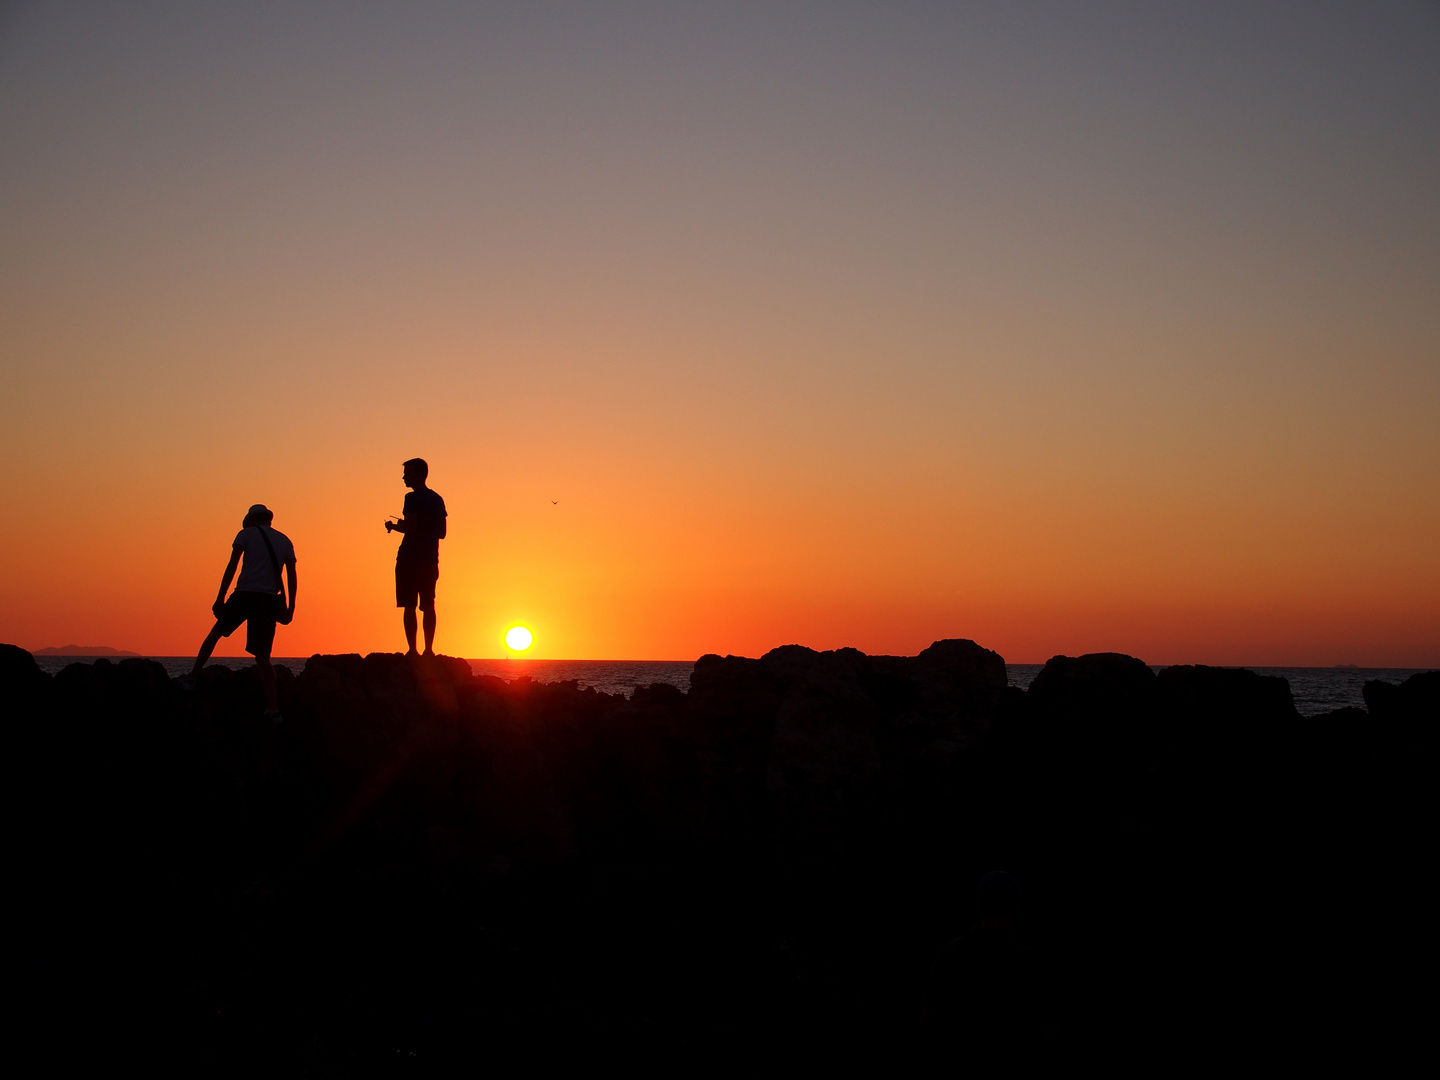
282, 609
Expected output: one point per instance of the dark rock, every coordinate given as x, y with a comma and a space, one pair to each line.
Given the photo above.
844, 720
1233, 695
1417, 699
19, 674
23, 686
824, 756
463, 867
1228, 712
1100, 707
1093, 685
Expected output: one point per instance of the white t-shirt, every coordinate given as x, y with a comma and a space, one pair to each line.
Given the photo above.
257, 572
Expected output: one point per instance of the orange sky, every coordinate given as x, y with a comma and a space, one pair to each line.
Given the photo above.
831, 333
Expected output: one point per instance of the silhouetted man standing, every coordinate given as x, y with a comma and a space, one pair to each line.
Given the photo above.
417, 564
258, 600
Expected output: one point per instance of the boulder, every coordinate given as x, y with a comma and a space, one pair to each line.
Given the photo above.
1093, 687
1407, 722
1235, 694
857, 739
829, 740
824, 755
1417, 699
19, 674
23, 685
1099, 707
941, 701
1235, 714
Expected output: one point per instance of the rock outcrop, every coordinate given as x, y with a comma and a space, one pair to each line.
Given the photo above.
423, 862
1416, 700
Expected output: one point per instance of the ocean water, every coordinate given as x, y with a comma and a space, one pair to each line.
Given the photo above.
1316, 690
606, 676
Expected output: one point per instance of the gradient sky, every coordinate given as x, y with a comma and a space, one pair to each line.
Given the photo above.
1064, 327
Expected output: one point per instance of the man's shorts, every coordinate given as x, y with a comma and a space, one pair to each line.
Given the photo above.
257, 611
414, 579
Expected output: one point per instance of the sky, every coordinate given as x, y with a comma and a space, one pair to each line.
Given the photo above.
1065, 327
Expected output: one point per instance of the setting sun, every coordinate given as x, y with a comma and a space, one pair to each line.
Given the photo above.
518, 638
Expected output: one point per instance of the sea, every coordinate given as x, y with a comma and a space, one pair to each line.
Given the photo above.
1316, 690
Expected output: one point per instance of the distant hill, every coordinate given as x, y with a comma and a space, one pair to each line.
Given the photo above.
82, 650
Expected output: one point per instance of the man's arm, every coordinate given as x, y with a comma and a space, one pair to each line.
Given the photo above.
225, 581
400, 526
290, 575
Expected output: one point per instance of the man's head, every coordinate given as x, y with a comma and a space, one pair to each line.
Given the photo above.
416, 472
259, 514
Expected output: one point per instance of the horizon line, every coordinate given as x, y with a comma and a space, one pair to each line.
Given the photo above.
131, 655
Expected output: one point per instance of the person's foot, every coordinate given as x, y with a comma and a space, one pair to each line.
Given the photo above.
186, 682
273, 715
411, 652
429, 652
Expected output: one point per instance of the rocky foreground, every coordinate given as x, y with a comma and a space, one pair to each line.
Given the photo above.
424, 871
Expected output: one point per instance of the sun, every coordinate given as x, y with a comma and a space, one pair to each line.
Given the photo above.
518, 638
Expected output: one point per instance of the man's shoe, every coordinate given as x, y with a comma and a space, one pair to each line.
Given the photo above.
273, 715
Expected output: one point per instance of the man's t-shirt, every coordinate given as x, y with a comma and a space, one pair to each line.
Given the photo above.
257, 572
424, 527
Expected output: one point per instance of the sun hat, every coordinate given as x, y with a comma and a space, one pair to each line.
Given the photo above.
258, 514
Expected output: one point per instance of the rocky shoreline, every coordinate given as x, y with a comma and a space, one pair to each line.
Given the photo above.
425, 870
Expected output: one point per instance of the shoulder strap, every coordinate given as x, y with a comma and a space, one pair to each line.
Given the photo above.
273, 560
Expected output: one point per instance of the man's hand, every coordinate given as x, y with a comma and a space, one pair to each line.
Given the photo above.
218, 607
389, 525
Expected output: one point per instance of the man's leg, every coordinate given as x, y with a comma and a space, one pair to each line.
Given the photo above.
410, 626
206, 648
267, 682
429, 631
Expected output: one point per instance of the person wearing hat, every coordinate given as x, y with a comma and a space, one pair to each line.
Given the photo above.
258, 601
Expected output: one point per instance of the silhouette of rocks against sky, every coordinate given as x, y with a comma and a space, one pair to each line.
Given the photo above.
462, 867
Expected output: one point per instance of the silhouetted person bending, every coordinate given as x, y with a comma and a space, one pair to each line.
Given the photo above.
258, 600
417, 564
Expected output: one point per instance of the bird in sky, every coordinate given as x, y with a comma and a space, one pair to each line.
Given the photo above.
554, 502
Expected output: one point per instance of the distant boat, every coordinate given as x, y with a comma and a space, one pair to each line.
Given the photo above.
82, 650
